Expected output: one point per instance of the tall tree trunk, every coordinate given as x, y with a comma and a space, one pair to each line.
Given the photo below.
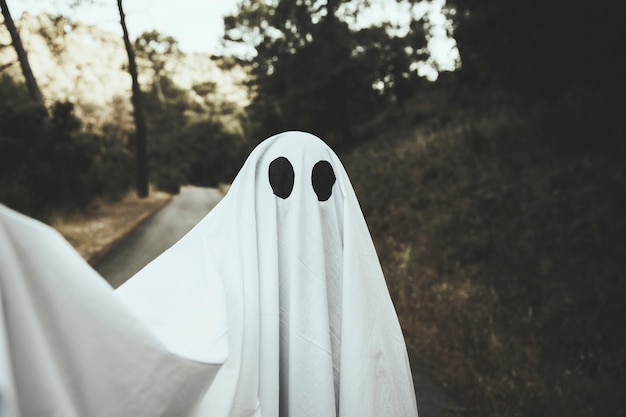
31, 82
138, 113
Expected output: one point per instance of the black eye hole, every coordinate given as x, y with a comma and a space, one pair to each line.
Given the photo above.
323, 179
281, 177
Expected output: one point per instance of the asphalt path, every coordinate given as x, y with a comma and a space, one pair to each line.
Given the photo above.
155, 235
172, 222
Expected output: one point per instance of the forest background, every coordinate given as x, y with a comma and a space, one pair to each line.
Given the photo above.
495, 194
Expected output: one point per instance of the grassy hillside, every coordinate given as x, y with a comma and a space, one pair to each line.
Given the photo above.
504, 248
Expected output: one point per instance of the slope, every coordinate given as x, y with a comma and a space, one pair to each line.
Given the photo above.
503, 250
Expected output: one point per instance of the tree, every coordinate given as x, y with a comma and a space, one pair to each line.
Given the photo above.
167, 106
535, 47
138, 112
313, 70
561, 57
31, 82
156, 48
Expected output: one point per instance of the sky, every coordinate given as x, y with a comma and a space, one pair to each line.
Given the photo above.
197, 25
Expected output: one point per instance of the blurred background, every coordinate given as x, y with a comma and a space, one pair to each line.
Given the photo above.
485, 141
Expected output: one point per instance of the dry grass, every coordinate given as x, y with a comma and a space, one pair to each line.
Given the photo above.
104, 223
223, 188
504, 260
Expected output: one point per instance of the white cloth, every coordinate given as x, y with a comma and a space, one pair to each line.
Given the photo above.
70, 348
312, 330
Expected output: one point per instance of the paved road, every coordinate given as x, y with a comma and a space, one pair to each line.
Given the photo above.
157, 234
167, 226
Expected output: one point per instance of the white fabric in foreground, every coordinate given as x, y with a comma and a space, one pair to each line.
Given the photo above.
312, 330
69, 347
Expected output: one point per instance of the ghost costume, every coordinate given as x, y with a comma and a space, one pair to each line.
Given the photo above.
312, 330
69, 347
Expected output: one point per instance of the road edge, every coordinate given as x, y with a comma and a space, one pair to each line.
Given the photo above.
97, 256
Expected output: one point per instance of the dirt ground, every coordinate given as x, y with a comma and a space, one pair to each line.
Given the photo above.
94, 232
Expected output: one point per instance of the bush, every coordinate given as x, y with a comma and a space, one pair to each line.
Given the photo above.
212, 154
114, 168
49, 163
61, 165
168, 180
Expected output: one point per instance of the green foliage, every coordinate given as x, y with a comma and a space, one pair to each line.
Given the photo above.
61, 161
213, 155
179, 151
50, 165
46, 165
189, 143
154, 49
53, 164
313, 72
30, 148
114, 167
153, 45
165, 107
18, 119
